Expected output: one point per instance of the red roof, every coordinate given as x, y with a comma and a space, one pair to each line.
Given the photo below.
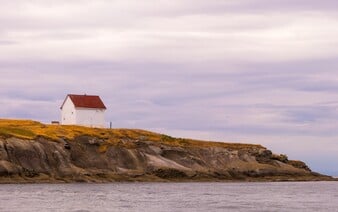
86, 101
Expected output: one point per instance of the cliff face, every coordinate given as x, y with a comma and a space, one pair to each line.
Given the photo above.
93, 159
34, 152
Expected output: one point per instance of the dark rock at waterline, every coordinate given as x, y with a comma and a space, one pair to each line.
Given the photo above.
89, 159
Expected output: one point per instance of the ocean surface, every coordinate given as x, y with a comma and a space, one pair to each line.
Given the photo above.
149, 197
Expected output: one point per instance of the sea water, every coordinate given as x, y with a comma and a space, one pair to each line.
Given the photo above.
149, 197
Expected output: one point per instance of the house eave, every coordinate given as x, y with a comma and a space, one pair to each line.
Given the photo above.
88, 108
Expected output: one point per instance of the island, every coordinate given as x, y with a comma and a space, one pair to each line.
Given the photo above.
32, 152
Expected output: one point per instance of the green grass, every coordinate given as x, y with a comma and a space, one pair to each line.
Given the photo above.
27, 129
16, 132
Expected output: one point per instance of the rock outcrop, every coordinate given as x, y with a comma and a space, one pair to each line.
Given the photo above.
87, 158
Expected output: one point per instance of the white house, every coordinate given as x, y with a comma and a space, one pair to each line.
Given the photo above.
85, 110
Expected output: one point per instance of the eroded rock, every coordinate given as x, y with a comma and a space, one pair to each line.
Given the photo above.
95, 160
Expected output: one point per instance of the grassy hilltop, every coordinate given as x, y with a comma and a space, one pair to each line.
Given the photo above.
27, 129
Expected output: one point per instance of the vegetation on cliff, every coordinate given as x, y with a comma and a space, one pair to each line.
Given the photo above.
27, 129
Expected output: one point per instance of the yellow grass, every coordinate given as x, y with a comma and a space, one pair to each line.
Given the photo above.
27, 129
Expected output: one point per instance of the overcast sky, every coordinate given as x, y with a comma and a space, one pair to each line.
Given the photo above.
253, 71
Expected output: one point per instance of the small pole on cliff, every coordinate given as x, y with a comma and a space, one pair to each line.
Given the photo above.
110, 125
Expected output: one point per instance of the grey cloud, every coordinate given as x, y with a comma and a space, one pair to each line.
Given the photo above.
120, 15
282, 5
7, 42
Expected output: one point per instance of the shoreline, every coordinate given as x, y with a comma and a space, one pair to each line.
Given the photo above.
151, 179
31, 152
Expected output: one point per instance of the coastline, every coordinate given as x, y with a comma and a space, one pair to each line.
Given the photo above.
31, 152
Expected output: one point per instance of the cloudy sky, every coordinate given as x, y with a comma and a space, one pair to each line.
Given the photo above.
253, 71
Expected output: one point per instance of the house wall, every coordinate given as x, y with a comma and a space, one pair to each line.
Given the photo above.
90, 117
68, 113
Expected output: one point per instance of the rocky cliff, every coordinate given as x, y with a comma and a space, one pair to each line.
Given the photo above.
33, 152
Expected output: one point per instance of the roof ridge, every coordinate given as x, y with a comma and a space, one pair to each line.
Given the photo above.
85, 101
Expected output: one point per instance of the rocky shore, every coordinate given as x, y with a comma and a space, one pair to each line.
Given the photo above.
54, 154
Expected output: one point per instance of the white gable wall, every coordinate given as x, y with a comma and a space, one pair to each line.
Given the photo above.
68, 113
90, 117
